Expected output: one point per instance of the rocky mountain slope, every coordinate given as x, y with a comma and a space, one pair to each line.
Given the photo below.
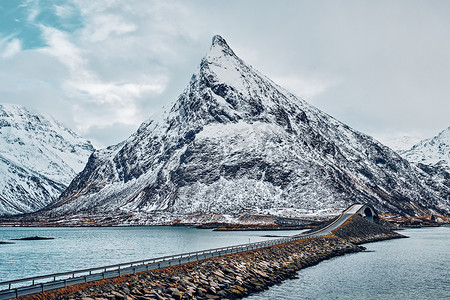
235, 142
38, 159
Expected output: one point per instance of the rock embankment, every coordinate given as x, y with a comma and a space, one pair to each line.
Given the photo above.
359, 230
229, 277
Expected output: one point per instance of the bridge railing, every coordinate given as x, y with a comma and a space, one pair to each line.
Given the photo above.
172, 259
323, 231
49, 282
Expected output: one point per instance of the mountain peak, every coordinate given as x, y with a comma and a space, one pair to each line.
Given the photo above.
235, 142
218, 40
219, 43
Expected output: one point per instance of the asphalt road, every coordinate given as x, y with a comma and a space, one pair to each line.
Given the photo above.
60, 283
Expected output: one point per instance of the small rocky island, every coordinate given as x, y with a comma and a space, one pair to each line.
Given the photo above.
33, 238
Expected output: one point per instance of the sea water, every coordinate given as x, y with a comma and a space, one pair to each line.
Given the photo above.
413, 268
88, 247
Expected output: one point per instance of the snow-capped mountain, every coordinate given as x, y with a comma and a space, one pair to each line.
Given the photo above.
434, 151
39, 157
432, 157
236, 142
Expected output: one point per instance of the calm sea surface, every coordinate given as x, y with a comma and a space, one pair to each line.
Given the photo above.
88, 247
414, 268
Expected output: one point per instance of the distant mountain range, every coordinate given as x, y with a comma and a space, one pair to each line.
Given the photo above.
39, 157
432, 157
434, 151
235, 142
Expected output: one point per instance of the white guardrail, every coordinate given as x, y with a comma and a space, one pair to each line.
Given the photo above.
32, 285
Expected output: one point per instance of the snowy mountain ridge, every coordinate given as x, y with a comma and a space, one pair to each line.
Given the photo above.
39, 157
235, 142
433, 151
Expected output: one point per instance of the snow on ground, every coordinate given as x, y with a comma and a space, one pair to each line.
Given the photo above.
38, 158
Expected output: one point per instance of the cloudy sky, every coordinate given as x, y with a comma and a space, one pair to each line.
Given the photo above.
102, 67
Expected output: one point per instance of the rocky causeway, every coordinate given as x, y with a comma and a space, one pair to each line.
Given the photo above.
232, 276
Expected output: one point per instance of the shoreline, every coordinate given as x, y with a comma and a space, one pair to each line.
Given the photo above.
253, 228
232, 276
232, 227
242, 222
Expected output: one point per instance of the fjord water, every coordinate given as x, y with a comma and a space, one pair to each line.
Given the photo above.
88, 247
413, 268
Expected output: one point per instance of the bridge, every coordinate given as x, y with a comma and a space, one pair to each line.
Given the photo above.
33, 285
363, 210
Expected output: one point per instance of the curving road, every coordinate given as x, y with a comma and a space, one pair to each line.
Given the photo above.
34, 285
338, 222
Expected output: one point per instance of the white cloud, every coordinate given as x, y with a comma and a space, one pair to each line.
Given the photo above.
129, 58
115, 101
10, 48
65, 51
117, 69
33, 8
64, 11
118, 100
107, 24
305, 88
